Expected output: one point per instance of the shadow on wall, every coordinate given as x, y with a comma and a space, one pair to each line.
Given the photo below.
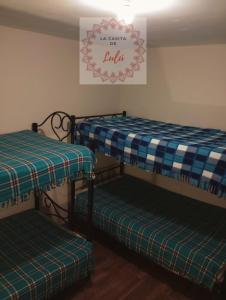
186, 85
26, 21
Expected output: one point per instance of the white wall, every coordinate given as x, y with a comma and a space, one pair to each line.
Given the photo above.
39, 74
186, 85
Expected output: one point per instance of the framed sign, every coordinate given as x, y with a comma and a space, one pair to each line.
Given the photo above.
112, 52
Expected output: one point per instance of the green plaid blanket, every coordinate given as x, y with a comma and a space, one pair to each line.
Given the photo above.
38, 258
185, 236
31, 161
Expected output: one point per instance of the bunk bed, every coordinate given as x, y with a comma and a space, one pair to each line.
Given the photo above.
39, 258
180, 234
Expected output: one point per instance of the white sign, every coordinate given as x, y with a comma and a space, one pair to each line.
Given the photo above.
112, 52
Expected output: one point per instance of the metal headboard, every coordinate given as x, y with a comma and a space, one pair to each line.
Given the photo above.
60, 121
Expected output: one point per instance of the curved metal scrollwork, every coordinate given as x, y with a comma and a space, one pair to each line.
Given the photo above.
63, 126
60, 121
53, 209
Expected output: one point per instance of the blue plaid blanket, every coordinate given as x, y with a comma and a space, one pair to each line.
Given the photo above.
31, 161
194, 155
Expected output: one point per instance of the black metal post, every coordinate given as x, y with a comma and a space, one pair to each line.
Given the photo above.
90, 209
71, 192
71, 202
36, 192
90, 200
72, 129
34, 127
122, 166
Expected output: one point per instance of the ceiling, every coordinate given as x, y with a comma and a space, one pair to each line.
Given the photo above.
186, 22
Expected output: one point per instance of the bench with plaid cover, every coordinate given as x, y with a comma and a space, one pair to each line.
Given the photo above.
31, 161
185, 236
195, 155
38, 258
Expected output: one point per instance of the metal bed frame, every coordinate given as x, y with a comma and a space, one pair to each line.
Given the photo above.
219, 291
92, 144
64, 123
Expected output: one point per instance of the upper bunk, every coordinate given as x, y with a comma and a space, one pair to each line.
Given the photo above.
191, 154
31, 161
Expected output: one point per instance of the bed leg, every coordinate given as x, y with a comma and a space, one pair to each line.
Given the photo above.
222, 294
90, 209
71, 185
34, 127
71, 202
219, 291
122, 168
37, 199
218, 296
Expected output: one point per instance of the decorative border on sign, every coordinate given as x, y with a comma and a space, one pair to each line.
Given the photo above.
97, 71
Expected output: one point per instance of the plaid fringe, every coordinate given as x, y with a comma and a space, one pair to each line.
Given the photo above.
189, 154
46, 188
30, 161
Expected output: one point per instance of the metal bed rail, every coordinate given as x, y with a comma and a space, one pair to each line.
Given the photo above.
62, 122
92, 145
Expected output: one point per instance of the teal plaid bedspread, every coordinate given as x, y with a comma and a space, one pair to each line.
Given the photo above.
38, 258
185, 236
31, 161
191, 154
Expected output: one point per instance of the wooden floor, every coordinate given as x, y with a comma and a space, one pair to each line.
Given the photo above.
121, 275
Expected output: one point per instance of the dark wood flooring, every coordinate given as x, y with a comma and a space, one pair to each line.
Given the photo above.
121, 275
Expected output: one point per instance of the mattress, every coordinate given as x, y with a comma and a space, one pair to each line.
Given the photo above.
191, 154
31, 161
183, 235
38, 258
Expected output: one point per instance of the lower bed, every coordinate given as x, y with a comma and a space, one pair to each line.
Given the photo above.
183, 235
38, 258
